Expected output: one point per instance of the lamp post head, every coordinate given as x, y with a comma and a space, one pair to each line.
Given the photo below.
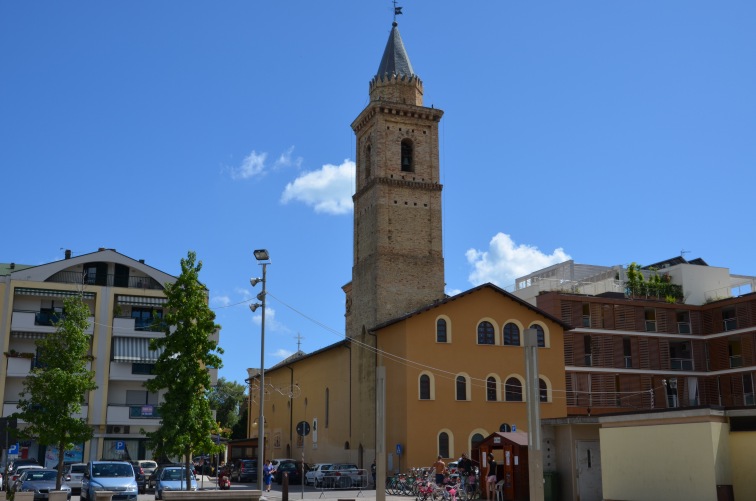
261, 254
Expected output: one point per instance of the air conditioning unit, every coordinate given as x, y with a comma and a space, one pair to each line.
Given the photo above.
117, 430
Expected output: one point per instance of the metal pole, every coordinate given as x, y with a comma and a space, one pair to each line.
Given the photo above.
261, 417
535, 455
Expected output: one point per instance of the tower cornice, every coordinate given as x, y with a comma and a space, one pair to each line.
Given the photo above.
402, 183
398, 109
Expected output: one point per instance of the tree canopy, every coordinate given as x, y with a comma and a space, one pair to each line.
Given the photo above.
227, 399
181, 371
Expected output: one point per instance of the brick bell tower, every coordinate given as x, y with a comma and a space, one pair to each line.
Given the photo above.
398, 262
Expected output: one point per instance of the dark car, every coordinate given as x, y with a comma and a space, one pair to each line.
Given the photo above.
244, 470
294, 470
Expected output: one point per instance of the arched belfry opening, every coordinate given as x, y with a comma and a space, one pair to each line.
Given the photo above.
368, 161
408, 164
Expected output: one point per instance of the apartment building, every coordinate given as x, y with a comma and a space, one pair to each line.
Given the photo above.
682, 336
126, 299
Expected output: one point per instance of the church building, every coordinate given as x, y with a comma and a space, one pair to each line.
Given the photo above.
454, 366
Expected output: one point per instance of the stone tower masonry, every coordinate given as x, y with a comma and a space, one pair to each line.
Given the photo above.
398, 264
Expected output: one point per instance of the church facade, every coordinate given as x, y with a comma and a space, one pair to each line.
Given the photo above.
454, 366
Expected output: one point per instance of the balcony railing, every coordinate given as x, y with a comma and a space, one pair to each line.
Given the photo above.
650, 325
730, 324
628, 362
683, 328
736, 361
78, 277
681, 364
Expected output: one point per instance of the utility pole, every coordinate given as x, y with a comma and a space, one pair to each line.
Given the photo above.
535, 454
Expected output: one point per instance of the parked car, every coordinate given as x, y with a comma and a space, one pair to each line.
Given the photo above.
18, 471
292, 468
116, 476
40, 481
315, 474
15, 464
244, 470
152, 478
342, 476
73, 473
143, 468
173, 478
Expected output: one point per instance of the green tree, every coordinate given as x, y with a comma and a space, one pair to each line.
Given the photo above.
55, 390
226, 399
240, 429
181, 370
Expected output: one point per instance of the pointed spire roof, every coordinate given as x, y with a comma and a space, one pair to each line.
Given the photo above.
395, 60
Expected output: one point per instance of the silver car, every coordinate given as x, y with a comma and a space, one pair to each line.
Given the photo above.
73, 473
315, 475
173, 478
40, 481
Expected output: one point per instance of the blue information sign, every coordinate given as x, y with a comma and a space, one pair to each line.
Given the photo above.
514, 427
398, 449
13, 449
120, 445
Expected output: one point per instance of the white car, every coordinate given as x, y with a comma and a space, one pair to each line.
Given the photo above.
315, 475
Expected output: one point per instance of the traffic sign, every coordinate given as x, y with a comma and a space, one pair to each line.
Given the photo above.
120, 445
13, 450
303, 428
398, 449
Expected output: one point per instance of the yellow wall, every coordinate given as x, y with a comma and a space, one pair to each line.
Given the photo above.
297, 392
676, 461
413, 349
742, 447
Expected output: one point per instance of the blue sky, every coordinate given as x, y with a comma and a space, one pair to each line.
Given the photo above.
602, 131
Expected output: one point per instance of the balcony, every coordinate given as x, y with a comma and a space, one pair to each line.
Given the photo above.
730, 324
40, 321
736, 361
78, 277
11, 407
681, 364
19, 367
683, 328
138, 415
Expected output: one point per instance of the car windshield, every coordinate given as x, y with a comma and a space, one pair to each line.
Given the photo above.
148, 464
112, 470
173, 474
78, 468
34, 476
248, 464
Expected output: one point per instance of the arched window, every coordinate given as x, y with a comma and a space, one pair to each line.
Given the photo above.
543, 390
486, 334
425, 387
511, 335
513, 390
441, 330
443, 444
476, 439
368, 161
541, 335
491, 389
408, 164
505, 428
461, 389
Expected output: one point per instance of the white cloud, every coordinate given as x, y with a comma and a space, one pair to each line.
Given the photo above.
253, 165
221, 301
504, 261
282, 354
328, 190
244, 293
271, 324
286, 160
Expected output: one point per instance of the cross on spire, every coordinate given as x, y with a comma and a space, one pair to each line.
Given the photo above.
299, 339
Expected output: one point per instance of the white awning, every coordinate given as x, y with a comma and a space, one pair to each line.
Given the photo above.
26, 291
142, 300
134, 349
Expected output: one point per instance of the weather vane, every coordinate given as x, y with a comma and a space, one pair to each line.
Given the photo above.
397, 11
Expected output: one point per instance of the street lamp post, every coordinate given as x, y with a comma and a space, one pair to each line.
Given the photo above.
263, 256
